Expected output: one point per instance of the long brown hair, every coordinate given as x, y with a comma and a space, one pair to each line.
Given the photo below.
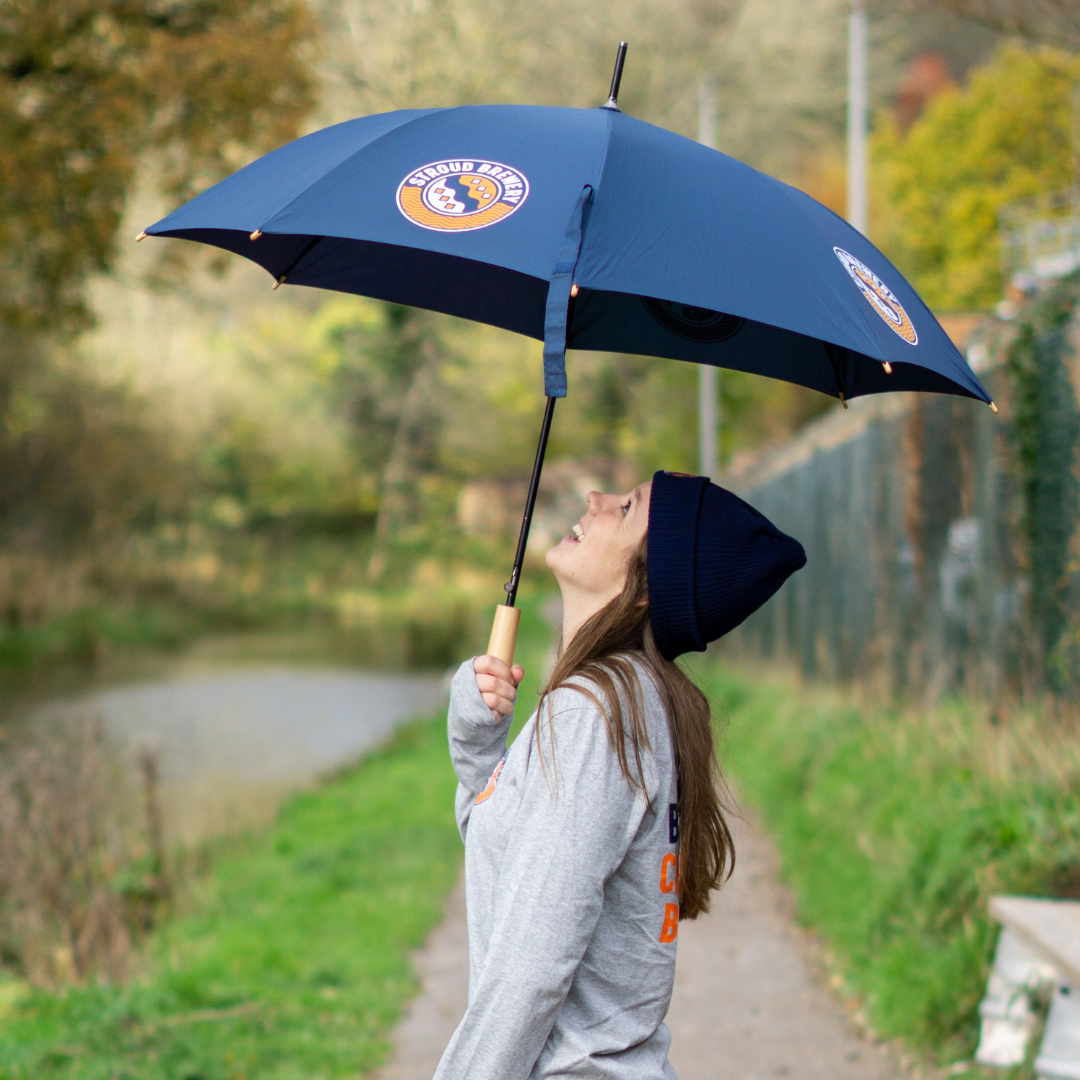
602, 652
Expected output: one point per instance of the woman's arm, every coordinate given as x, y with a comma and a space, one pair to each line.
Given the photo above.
477, 739
577, 818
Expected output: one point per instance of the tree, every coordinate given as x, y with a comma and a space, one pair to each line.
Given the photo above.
92, 91
384, 362
1007, 135
1053, 22
393, 54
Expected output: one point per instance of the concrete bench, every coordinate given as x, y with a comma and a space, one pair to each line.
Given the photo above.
1038, 956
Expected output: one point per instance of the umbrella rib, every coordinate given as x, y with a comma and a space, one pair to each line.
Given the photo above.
830, 352
319, 179
306, 250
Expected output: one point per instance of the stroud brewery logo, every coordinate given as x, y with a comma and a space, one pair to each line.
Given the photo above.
461, 194
881, 297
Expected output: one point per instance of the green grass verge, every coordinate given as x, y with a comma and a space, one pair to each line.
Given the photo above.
894, 827
293, 961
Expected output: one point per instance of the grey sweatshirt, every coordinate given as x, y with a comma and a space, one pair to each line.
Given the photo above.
571, 879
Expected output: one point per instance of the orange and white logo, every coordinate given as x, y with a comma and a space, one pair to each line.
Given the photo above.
460, 195
492, 782
881, 297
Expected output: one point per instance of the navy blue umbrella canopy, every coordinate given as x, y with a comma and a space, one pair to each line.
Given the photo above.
588, 229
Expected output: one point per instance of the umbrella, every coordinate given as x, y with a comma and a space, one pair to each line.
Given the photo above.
587, 229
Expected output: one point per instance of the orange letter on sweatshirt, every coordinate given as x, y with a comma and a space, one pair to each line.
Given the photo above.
670, 930
669, 873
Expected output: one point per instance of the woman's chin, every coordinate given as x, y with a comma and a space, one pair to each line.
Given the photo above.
555, 555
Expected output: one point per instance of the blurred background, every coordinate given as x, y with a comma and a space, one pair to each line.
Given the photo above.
187, 451
201, 478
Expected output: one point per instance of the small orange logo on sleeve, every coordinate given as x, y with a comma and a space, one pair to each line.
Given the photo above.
490, 789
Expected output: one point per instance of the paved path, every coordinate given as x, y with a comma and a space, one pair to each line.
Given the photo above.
745, 1005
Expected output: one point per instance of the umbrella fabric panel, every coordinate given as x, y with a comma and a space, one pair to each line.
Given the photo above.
424, 279
934, 347
250, 198
676, 220
428, 279
275, 254
557, 151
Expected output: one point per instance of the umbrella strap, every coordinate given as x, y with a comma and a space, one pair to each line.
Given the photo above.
558, 300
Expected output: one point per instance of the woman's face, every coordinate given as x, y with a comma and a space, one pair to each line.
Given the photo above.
596, 559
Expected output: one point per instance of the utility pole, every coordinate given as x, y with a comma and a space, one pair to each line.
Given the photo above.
857, 114
1076, 137
708, 376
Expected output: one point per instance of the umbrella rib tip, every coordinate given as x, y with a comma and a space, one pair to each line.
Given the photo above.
993, 408
142, 236
255, 235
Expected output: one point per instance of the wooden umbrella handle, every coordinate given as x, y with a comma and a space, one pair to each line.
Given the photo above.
504, 631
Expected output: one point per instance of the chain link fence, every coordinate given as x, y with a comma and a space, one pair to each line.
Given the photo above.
941, 539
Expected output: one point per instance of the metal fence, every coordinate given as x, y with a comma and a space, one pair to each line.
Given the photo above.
1040, 236
907, 507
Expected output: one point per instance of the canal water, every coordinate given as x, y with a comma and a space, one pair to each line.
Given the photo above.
233, 739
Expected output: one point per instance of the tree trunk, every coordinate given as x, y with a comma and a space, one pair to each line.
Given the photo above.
396, 472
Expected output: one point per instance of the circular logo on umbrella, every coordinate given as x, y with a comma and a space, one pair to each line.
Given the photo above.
461, 194
881, 297
698, 324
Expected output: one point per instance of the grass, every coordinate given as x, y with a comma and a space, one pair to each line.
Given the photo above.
895, 826
292, 960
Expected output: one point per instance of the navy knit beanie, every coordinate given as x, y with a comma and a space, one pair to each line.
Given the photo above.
713, 561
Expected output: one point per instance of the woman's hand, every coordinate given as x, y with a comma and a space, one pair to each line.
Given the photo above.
498, 684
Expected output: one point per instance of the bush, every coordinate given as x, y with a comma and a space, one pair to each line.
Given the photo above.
60, 842
290, 960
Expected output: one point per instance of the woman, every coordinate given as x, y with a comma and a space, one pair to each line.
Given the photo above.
602, 825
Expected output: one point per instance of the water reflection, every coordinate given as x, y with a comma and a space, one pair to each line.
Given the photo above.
232, 743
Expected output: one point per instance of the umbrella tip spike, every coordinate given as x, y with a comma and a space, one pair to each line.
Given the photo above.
993, 408
887, 366
612, 102
141, 236
255, 235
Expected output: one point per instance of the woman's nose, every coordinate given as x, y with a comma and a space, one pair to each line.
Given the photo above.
594, 501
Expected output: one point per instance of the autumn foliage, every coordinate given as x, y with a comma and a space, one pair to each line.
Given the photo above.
94, 91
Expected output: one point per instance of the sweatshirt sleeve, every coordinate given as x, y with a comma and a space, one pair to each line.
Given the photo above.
477, 741
577, 819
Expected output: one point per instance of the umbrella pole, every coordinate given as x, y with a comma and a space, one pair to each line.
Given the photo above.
507, 616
